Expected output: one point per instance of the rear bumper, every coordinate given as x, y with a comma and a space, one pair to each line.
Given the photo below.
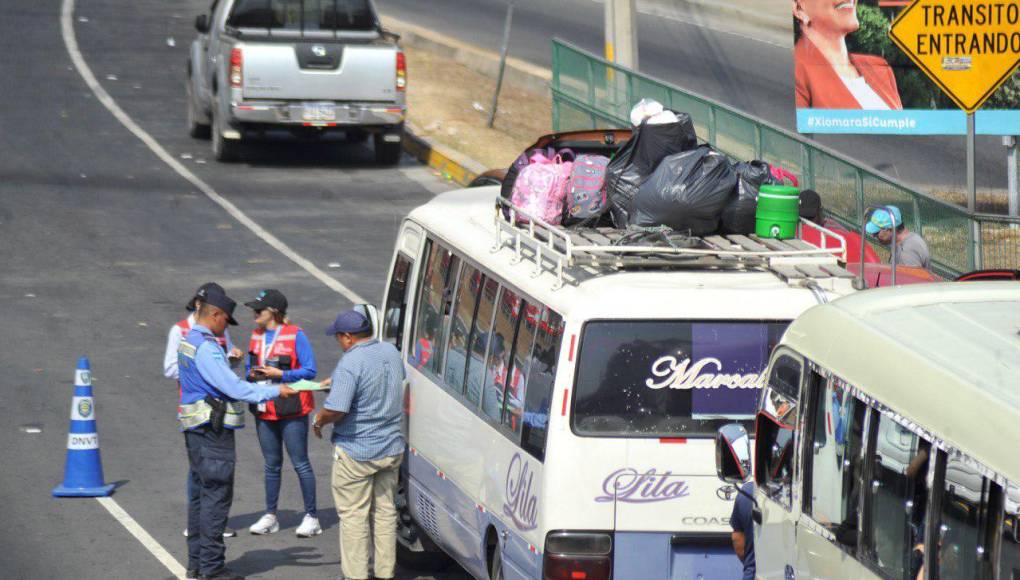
327, 114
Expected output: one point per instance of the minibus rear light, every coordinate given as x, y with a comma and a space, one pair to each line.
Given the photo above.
561, 567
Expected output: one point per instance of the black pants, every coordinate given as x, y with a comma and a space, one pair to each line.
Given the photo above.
211, 457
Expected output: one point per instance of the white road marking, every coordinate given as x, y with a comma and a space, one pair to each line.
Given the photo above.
139, 532
71, 42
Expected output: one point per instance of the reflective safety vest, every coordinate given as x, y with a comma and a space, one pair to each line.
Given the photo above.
193, 410
284, 343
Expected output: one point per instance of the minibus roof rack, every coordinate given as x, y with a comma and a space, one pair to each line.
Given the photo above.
560, 250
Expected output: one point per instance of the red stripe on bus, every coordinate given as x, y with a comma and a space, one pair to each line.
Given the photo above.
573, 342
563, 411
675, 440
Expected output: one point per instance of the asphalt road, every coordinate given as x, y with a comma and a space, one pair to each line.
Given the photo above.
102, 243
712, 55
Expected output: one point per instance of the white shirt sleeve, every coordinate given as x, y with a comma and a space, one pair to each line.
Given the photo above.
173, 342
230, 346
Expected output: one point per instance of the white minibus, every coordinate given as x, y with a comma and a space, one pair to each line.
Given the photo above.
564, 387
886, 441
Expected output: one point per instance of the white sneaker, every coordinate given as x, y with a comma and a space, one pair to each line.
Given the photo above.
309, 527
267, 524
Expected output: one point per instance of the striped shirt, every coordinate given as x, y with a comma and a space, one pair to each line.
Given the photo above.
368, 385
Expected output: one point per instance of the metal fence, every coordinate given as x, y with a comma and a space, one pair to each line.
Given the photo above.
590, 92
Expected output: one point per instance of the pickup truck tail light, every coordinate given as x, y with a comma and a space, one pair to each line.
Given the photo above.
578, 556
236, 68
401, 72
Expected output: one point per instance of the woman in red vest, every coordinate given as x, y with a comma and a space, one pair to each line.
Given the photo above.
280, 352
827, 75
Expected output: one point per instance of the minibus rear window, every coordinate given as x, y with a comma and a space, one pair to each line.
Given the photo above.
665, 378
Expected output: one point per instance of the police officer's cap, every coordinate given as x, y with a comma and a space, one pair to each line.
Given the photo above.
269, 298
223, 302
201, 293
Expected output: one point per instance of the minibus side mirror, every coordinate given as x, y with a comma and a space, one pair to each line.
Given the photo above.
733, 454
372, 314
202, 23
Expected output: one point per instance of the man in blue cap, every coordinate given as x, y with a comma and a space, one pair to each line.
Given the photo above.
911, 249
209, 412
366, 404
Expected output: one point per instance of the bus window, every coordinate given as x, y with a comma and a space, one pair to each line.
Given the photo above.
479, 340
508, 311
1009, 553
669, 378
896, 500
396, 303
965, 537
512, 416
460, 326
539, 390
776, 429
833, 460
437, 280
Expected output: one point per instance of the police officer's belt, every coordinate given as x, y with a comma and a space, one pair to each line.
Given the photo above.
200, 413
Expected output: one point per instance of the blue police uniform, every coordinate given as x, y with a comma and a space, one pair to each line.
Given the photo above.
207, 381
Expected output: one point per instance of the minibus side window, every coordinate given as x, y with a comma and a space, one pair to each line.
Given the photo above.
508, 311
396, 302
775, 431
518, 386
833, 459
896, 500
479, 341
538, 397
1009, 552
464, 306
436, 286
967, 511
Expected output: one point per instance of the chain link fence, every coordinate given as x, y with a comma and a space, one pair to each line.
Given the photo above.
590, 92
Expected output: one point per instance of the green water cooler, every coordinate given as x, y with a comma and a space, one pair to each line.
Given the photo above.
778, 212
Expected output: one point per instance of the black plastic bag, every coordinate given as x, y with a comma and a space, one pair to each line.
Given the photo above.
738, 217
688, 191
639, 158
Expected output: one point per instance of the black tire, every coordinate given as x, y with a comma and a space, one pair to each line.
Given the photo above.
387, 153
428, 561
496, 569
484, 180
196, 129
224, 150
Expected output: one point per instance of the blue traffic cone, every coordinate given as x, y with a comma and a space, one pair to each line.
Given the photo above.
83, 472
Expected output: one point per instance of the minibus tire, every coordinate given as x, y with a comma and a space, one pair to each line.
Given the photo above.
427, 561
496, 570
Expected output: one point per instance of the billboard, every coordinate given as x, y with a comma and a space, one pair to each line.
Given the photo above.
851, 77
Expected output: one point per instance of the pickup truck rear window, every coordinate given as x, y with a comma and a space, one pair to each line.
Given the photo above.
302, 15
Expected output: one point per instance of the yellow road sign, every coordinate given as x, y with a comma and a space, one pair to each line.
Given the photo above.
968, 47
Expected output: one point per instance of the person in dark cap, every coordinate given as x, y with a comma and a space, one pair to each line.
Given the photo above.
365, 406
280, 352
210, 410
173, 342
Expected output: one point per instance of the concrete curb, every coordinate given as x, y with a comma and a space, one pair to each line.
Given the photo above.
453, 165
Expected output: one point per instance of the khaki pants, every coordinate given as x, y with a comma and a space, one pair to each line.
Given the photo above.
363, 493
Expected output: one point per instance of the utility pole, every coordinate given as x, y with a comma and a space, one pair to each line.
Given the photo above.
1013, 174
621, 32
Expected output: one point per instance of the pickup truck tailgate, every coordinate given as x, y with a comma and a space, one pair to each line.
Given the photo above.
324, 71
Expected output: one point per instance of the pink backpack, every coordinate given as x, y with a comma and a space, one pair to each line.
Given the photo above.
541, 188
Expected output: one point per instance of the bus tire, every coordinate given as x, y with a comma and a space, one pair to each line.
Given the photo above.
496, 570
427, 561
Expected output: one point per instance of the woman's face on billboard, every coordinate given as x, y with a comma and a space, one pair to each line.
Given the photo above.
835, 16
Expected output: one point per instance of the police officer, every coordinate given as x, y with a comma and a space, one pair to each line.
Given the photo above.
210, 411
173, 343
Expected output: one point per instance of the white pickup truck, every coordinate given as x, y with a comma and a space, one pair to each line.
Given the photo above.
307, 66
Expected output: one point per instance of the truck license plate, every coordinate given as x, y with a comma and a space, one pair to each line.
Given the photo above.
318, 112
